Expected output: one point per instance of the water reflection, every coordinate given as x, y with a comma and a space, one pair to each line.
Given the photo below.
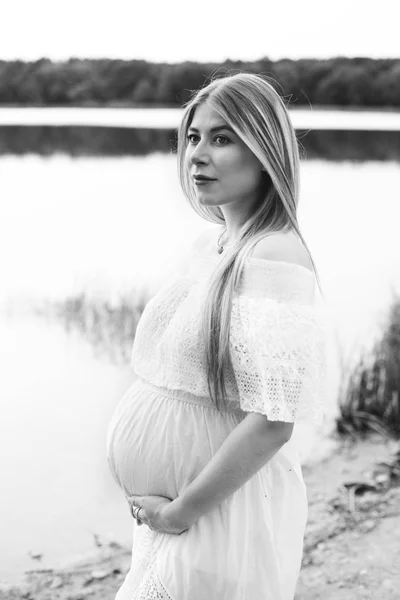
357, 146
114, 141
84, 141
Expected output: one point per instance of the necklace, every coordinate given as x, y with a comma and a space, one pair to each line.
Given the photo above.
220, 246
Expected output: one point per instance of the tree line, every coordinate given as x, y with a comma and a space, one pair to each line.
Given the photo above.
340, 81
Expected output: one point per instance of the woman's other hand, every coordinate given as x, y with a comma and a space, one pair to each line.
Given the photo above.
157, 513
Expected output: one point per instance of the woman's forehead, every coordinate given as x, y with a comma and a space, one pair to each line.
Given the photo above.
206, 117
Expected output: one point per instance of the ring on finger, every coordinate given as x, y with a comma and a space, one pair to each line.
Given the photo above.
135, 512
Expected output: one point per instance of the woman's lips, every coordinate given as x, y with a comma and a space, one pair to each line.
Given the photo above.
204, 181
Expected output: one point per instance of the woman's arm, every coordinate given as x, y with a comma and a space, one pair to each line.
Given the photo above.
246, 449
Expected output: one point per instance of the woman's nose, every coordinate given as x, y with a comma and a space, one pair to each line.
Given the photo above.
199, 154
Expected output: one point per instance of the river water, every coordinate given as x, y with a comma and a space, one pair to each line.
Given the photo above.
71, 224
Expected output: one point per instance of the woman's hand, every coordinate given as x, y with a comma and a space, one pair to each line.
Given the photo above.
157, 513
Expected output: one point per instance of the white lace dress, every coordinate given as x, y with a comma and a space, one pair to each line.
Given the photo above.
165, 430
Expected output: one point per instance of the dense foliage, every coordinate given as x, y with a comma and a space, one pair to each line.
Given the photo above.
339, 81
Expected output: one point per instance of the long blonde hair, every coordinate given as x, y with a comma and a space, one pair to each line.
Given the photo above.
257, 113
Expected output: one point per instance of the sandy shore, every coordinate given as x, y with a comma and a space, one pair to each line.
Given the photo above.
352, 543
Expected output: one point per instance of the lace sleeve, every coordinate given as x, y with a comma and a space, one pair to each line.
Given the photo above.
279, 357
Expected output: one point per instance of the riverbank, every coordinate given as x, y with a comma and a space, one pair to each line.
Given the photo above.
352, 543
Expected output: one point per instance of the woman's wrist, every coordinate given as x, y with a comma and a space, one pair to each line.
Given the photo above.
177, 516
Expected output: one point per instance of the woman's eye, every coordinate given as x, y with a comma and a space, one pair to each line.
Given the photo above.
191, 135
222, 137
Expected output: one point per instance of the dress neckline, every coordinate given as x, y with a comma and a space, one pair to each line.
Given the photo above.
262, 262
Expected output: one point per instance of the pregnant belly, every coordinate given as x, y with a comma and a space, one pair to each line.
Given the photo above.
157, 443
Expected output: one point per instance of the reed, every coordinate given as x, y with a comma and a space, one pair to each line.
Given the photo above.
109, 327
370, 399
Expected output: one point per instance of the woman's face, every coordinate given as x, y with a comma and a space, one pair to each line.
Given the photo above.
214, 150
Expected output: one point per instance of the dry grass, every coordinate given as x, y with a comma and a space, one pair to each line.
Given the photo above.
370, 400
109, 327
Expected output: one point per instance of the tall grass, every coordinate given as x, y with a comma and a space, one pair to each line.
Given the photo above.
109, 327
370, 400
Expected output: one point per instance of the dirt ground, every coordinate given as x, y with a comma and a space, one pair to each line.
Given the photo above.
352, 542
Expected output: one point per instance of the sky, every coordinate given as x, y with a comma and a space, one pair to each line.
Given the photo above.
201, 30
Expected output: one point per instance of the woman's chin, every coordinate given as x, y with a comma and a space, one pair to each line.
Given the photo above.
207, 200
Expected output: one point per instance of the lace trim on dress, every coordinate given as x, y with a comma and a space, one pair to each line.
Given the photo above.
279, 358
277, 340
151, 587
142, 581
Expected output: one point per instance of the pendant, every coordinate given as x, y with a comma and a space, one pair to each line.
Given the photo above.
220, 249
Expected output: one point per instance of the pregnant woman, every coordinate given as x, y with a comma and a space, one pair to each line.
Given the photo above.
229, 355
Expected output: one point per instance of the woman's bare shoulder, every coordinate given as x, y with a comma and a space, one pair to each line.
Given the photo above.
282, 246
279, 246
